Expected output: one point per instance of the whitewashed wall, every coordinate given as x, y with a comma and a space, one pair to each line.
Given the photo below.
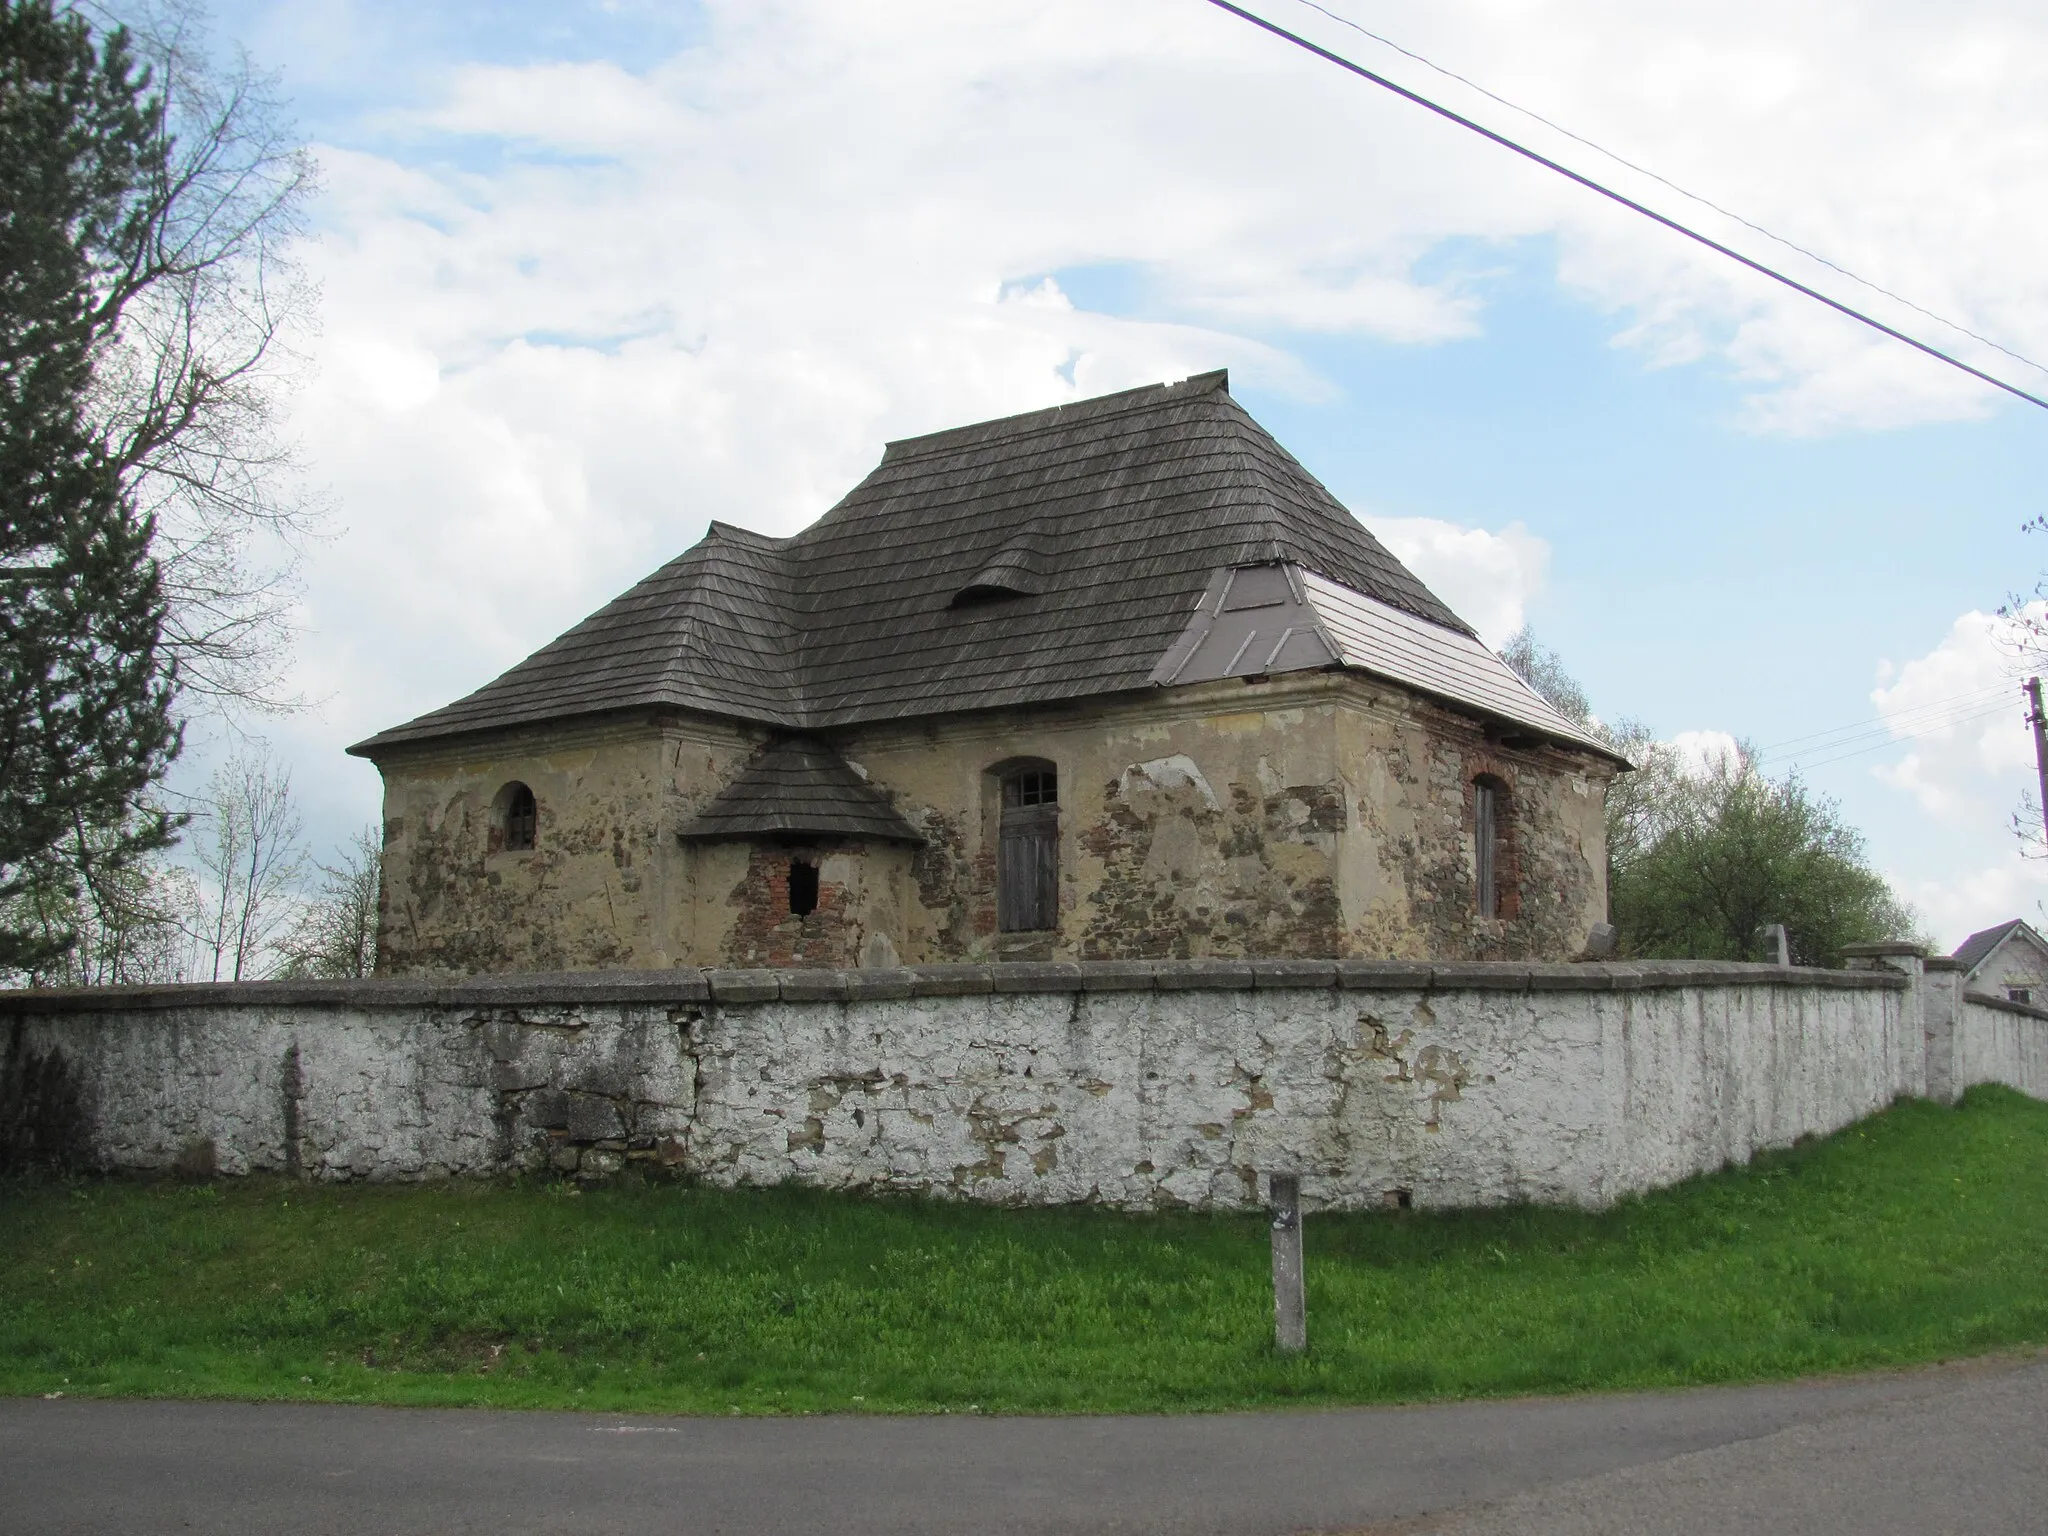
1136, 1085
2002, 1042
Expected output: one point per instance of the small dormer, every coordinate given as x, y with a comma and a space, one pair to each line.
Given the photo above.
1015, 571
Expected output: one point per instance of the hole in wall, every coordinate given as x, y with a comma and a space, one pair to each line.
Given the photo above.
1398, 1200
803, 887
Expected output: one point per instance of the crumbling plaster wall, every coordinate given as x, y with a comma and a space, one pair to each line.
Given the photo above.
1136, 1084
1312, 815
737, 895
604, 884
1410, 859
1307, 815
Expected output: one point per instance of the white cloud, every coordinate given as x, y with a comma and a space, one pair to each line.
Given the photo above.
1959, 705
1702, 752
1487, 578
574, 310
1959, 906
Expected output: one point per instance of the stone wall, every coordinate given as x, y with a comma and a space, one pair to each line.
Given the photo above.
1134, 1084
598, 888
1997, 1041
1309, 814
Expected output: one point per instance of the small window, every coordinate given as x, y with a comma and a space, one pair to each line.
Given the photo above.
517, 818
1028, 851
2019, 994
1488, 805
803, 887
1034, 786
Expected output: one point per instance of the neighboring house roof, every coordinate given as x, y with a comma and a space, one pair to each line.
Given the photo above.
799, 787
1056, 555
1980, 946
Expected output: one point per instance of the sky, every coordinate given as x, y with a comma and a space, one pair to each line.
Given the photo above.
593, 275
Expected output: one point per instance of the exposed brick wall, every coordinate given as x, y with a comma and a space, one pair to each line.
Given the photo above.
768, 933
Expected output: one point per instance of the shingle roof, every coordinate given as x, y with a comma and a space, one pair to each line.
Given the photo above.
799, 787
1265, 619
1974, 950
1117, 510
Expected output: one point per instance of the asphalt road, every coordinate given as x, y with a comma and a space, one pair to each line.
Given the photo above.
1957, 1448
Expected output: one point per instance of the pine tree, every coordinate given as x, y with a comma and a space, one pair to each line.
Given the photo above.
85, 687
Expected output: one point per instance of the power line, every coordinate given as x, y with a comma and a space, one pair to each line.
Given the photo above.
1852, 746
1623, 199
1817, 741
1878, 746
1644, 170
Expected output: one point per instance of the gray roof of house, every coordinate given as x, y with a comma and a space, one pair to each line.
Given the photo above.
799, 787
1977, 948
1105, 519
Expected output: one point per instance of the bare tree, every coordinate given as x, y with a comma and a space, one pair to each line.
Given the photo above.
111, 916
196, 301
336, 934
1544, 670
251, 863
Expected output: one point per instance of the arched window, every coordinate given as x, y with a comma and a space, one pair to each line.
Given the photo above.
1028, 848
1489, 844
515, 819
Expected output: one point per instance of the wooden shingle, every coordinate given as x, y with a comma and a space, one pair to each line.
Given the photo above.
1115, 510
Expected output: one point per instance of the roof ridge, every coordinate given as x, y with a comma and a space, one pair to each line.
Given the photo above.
1127, 501
903, 450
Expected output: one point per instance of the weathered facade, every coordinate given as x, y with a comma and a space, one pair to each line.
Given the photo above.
1138, 1084
1117, 681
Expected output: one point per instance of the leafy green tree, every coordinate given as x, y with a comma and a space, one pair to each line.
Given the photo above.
1699, 862
1731, 851
86, 688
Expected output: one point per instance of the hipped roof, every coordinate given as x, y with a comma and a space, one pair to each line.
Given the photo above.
799, 788
1105, 520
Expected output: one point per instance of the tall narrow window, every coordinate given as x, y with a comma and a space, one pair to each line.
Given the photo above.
1028, 851
803, 887
517, 818
1486, 809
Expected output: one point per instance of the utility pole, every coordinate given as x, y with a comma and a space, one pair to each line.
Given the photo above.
2040, 725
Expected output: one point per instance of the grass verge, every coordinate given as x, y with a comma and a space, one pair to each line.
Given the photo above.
1919, 1234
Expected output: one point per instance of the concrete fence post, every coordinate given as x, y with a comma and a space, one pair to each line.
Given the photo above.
1941, 988
1927, 1013
1290, 1296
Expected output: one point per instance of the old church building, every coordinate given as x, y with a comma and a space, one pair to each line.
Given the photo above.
1114, 680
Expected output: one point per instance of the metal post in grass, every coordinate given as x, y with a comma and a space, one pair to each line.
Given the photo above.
1290, 1296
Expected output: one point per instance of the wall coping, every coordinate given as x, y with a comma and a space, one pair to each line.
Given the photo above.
2006, 1005
560, 989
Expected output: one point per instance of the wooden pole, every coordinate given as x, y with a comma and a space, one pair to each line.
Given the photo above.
1290, 1297
2040, 724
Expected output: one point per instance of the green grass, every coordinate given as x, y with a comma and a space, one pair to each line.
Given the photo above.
1920, 1234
